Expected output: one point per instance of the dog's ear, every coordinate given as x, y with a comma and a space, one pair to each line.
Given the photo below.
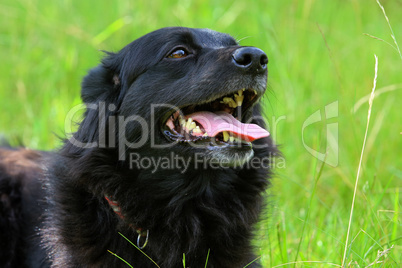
110, 80
99, 84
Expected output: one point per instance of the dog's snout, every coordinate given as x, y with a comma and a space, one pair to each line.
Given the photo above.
251, 59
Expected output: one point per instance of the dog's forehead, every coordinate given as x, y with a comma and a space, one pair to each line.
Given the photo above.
210, 38
192, 36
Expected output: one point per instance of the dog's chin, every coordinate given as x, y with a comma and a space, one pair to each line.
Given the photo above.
226, 156
216, 154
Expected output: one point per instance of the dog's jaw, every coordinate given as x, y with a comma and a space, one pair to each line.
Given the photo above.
215, 127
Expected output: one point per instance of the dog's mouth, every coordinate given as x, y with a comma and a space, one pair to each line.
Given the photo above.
217, 122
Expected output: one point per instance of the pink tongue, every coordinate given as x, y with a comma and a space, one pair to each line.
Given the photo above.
214, 123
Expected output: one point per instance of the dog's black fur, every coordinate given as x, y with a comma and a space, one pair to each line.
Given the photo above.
53, 210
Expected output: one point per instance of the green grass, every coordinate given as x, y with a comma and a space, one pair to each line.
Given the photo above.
320, 52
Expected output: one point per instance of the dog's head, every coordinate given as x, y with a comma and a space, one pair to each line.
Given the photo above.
182, 90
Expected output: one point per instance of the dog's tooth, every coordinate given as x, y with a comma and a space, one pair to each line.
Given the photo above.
182, 122
244, 89
231, 139
240, 92
205, 134
192, 125
225, 100
225, 136
239, 100
230, 102
255, 92
188, 124
197, 130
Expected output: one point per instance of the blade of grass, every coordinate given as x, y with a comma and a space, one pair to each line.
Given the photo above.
120, 258
396, 213
382, 40
281, 228
139, 249
252, 261
338, 73
206, 263
361, 159
309, 207
378, 92
389, 25
112, 28
305, 262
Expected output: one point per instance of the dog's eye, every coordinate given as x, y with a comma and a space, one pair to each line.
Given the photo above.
178, 53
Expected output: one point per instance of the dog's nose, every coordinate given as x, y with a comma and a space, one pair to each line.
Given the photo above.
251, 59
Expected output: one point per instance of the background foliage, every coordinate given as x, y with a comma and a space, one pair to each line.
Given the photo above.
318, 55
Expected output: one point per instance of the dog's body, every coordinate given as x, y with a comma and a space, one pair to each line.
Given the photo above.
66, 209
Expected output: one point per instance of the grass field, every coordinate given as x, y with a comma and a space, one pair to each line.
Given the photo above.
321, 64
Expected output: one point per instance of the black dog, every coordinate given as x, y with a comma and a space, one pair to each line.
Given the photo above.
172, 154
